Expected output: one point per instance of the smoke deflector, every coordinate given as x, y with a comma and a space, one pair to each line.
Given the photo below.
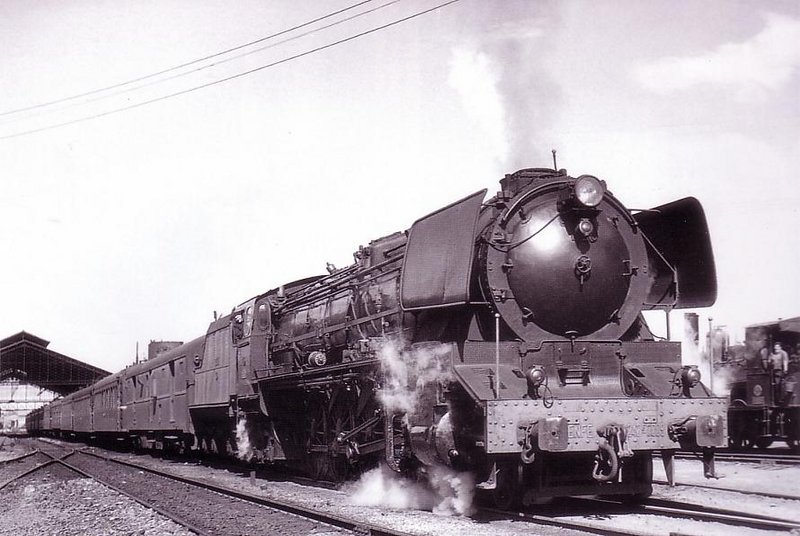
438, 259
679, 232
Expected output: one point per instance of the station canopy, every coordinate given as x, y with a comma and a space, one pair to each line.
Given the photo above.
783, 324
25, 357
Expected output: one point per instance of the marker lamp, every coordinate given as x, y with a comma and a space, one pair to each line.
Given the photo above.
692, 376
536, 376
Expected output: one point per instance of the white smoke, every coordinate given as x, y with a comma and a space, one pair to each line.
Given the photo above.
383, 487
445, 493
691, 353
244, 449
407, 372
454, 491
723, 376
507, 85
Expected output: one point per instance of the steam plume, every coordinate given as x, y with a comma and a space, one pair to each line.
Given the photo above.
407, 372
507, 86
244, 450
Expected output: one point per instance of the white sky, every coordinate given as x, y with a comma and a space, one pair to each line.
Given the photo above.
137, 225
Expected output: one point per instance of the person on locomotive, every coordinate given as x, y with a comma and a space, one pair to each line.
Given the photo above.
779, 365
779, 359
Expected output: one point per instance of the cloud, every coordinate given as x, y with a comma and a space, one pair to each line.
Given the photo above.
752, 69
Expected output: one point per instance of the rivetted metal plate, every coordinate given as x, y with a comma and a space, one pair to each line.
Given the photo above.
646, 420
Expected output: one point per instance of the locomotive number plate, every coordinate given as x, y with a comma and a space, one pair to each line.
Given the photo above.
648, 428
576, 430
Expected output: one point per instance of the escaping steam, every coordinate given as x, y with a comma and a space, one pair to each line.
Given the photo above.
407, 372
445, 493
691, 354
244, 449
715, 375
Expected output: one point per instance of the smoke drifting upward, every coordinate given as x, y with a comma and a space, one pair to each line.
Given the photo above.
691, 354
529, 96
514, 56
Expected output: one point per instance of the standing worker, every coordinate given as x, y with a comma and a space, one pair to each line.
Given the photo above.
779, 359
779, 363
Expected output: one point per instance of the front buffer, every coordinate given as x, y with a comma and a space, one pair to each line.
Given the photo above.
582, 433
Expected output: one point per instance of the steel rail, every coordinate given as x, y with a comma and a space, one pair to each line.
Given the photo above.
555, 521
19, 458
670, 504
54, 460
28, 472
699, 512
733, 490
35, 468
747, 457
177, 519
330, 519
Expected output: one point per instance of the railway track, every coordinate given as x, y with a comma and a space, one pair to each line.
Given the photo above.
732, 490
764, 456
200, 507
247, 506
606, 517
585, 515
21, 466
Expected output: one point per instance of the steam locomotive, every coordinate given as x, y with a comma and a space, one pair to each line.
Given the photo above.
765, 394
513, 325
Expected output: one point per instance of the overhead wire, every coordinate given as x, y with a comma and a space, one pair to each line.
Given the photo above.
231, 77
185, 64
108, 95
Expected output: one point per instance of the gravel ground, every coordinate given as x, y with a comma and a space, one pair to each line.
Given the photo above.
771, 478
388, 502
54, 503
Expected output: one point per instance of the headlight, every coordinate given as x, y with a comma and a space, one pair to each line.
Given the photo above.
536, 376
589, 190
692, 376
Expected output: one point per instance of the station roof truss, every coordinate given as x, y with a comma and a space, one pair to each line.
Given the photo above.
26, 358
